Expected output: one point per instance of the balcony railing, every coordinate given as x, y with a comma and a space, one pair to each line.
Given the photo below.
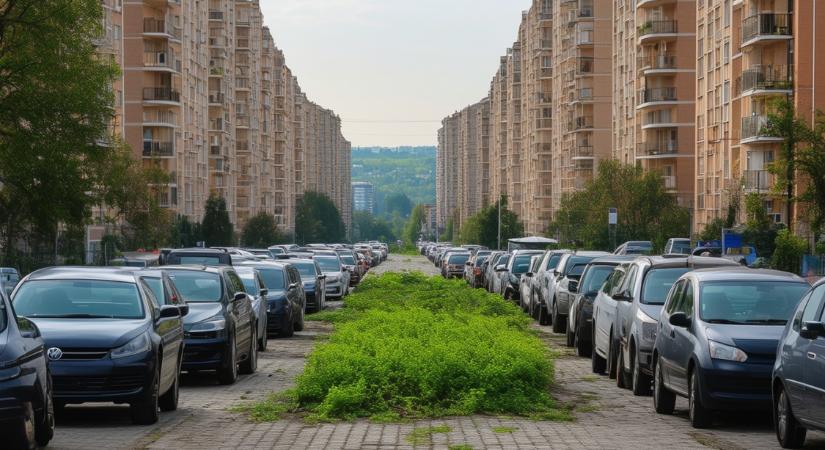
217, 97
758, 180
658, 27
585, 65
664, 94
767, 78
658, 148
584, 94
754, 127
583, 123
162, 26
161, 94
669, 181
158, 149
584, 37
215, 15
766, 25
656, 62
162, 117
583, 151
544, 123
163, 59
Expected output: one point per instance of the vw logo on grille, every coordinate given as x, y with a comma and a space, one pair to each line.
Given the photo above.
54, 353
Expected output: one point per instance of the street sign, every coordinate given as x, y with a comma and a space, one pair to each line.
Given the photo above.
612, 216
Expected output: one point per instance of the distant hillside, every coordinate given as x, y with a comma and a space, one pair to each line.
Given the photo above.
405, 170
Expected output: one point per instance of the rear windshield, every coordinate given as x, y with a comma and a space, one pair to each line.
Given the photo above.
79, 299
458, 259
348, 260
249, 282
658, 283
307, 270
750, 302
681, 248
197, 287
273, 278
329, 263
200, 260
521, 264
595, 278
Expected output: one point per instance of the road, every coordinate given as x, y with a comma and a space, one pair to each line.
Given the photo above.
607, 417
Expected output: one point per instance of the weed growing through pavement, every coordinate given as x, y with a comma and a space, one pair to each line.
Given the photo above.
504, 430
424, 436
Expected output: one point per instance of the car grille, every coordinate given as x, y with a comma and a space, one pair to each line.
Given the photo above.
83, 354
113, 383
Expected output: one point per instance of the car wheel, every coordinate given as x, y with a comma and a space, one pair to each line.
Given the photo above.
23, 435
299, 326
622, 381
612, 361
145, 412
598, 363
558, 323
263, 341
544, 317
169, 400
250, 364
228, 372
640, 381
664, 401
788, 430
571, 337
700, 417
44, 428
583, 349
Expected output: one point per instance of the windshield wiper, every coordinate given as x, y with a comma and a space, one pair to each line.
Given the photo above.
768, 321
724, 321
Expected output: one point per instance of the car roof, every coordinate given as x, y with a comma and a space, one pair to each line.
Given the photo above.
594, 254
743, 274
217, 251
195, 268
687, 261
84, 273
613, 260
301, 261
265, 263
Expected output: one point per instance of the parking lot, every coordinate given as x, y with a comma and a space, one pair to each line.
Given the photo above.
607, 417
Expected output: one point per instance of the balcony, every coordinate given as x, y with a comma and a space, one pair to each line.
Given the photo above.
657, 63
582, 152
584, 37
656, 95
765, 28
758, 181
657, 149
544, 98
162, 60
161, 94
767, 80
160, 118
217, 98
544, 123
153, 26
583, 123
216, 15
584, 65
158, 149
662, 118
754, 130
657, 29
669, 181
216, 125
584, 94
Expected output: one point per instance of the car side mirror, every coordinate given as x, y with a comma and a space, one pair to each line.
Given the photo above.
623, 297
169, 312
468, 263
501, 268
27, 328
239, 296
573, 286
812, 330
680, 320
529, 274
184, 310
264, 292
322, 277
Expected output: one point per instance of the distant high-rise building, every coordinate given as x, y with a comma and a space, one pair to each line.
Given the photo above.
363, 196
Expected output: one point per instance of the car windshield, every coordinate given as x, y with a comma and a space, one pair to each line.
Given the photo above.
595, 278
553, 262
329, 263
197, 287
273, 278
576, 270
79, 299
348, 260
749, 302
458, 259
200, 260
681, 248
249, 282
156, 285
576, 261
307, 271
503, 260
521, 264
658, 283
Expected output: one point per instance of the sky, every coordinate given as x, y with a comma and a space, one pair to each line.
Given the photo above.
394, 69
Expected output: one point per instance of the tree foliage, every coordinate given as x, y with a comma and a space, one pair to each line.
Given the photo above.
646, 211
789, 252
318, 220
398, 203
261, 231
482, 228
366, 227
414, 224
216, 228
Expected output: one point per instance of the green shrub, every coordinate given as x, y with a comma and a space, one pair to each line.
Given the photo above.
789, 252
417, 346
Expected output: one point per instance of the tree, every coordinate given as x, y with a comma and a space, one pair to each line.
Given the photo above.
713, 230
482, 228
782, 122
367, 227
789, 251
216, 227
398, 203
414, 225
54, 105
449, 231
646, 211
318, 220
184, 233
261, 231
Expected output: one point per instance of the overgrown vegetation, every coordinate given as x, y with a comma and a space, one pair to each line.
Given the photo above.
411, 346
482, 228
318, 220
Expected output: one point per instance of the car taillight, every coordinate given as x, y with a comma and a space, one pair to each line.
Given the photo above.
477, 271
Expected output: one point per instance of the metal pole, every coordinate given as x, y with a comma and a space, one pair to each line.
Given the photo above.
499, 224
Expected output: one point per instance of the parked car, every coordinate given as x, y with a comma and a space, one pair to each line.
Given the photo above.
678, 246
314, 284
350, 263
337, 281
526, 282
580, 316
26, 409
635, 248
198, 256
486, 268
472, 270
494, 275
164, 289
285, 297
220, 330
260, 253
546, 284
453, 265
718, 337
799, 372
567, 272
107, 338
517, 265
257, 291
636, 313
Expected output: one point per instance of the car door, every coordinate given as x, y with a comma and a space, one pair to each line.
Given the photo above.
814, 362
242, 314
625, 309
683, 340
604, 310
793, 355
293, 293
169, 331
666, 338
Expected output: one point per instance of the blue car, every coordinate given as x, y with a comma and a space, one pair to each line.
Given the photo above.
26, 411
286, 300
108, 339
799, 373
717, 339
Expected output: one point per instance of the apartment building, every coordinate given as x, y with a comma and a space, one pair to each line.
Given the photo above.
207, 96
363, 196
447, 172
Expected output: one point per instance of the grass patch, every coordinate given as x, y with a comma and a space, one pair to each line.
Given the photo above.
460, 447
424, 436
411, 346
272, 409
504, 430
591, 378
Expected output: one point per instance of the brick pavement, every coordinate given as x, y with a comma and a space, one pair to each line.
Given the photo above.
608, 418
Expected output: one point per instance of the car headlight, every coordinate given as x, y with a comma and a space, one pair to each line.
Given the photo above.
216, 323
10, 373
649, 325
726, 352
333, 278
140, 344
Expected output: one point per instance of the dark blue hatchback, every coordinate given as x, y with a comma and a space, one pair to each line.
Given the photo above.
106, 337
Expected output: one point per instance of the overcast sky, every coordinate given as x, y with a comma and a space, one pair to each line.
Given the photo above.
393, 69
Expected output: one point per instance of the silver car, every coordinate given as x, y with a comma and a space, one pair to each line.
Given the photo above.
337, 276
526, 283
545, 281
569, 270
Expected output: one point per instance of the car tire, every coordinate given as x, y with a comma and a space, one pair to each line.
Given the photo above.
789, 432
145, 411
571, 337
598, 364
612, 361
583, 349
24, 431
640, 381
544, 317
700, 417
169, 401
559, 325
44, 428
623, 380
289, 331
263, 341
664, 401
299, 325
250, 364
228, 373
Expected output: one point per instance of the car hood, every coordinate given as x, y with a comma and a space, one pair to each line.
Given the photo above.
198, 312
750, 338
89, 333
275, 296
309, 286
